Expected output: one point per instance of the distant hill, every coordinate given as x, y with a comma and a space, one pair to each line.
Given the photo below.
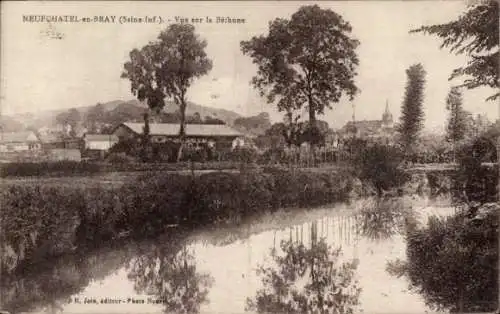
116, 111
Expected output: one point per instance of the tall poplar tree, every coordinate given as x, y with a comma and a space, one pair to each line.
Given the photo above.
412, 113
456, 127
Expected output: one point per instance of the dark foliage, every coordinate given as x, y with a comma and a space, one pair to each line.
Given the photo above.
244, 155
476, 34
475, 182
453, 262
381, 166
412, 114
456, 127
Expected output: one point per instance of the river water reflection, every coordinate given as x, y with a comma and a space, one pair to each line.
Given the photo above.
215, 271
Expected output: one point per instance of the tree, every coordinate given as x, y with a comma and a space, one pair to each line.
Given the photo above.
476, 34
309, 59
167, 68
195, 118
476, 125
94, 117
412, 114
379, 165
457, 124
457, 121
145, 138
212, 120
69, 118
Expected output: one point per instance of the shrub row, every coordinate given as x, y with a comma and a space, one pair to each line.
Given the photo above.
40, 221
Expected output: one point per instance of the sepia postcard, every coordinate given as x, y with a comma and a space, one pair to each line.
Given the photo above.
249, 157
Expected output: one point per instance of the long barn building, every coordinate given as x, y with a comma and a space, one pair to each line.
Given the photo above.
196, 134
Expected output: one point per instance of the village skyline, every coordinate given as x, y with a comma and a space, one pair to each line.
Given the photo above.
44, 72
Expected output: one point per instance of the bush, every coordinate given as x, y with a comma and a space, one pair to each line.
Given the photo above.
120, 158
37, 221
274, 155
475, 182
195, 154
244, 154
154, 201
381, 166
130, 147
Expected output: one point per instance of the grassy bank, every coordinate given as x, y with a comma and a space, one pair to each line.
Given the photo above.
74, 168
40, 221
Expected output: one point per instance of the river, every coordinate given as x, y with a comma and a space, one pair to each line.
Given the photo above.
214, 271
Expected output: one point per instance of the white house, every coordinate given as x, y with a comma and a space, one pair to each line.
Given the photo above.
19, 142
101, 142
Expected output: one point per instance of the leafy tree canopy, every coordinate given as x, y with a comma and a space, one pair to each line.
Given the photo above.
309, 59
168, 66
476, 34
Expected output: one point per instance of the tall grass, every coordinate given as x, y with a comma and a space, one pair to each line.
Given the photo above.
40, 221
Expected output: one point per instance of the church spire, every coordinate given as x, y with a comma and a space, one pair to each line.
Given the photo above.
387, 116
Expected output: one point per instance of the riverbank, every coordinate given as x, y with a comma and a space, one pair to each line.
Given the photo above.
56, 280
42, 221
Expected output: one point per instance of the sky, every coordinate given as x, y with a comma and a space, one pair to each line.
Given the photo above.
82, 64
